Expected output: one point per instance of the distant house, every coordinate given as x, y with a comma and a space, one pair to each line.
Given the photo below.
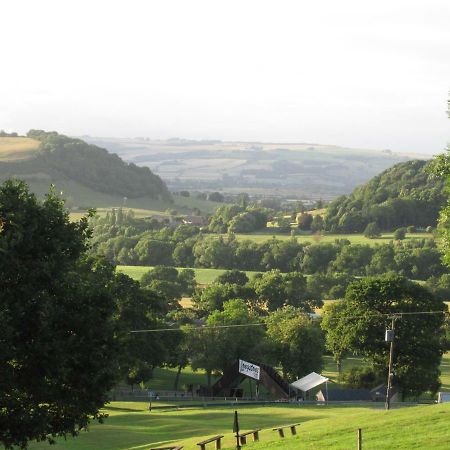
198, 221
344, 395
169, 221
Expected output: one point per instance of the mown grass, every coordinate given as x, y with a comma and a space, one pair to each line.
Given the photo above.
132, 426
17, 148
202, 276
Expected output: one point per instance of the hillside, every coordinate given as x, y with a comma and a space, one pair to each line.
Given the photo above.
300, 170
130, 426
400, 196
88, 175
17, 148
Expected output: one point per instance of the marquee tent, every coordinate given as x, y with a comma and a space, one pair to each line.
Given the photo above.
309, 381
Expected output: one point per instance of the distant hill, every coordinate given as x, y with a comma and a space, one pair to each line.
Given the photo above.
400, 196
293, 170
89, 175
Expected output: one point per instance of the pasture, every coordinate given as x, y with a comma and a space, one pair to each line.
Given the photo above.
329, 238
142, 207
202, 276
131, 426
17, 148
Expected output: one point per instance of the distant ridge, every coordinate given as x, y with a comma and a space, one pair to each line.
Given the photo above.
305, 171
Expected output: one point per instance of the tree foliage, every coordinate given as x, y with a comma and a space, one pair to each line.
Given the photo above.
64, 157
400, 196
58, 354
357, 325
295, 342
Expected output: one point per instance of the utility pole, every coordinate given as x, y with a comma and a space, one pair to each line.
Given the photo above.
390, 337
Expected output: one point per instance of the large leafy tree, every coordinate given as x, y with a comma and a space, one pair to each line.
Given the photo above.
57, 344
217, 347
295, 342
358, 323
274, 290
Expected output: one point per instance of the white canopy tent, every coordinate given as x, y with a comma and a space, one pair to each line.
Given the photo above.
309, 382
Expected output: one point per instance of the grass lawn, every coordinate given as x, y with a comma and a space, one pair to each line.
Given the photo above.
353, 238
132, 426
202, 276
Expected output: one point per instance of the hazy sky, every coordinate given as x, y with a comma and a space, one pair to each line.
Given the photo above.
361, 73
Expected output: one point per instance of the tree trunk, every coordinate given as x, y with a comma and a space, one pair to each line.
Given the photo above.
177, 378
208, 374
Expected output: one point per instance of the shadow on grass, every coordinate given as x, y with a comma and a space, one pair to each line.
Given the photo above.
116, 408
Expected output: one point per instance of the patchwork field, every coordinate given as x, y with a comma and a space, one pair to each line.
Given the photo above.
308, 171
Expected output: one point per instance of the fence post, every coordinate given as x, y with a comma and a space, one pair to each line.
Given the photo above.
359, 439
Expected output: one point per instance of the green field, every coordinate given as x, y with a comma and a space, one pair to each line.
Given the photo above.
202, 276
353, 238
132, 426
142, 207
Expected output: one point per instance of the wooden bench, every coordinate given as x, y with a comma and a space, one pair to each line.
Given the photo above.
243, 436
281, 429
173, 447
217, 439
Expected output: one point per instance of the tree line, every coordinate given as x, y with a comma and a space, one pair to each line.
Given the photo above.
123, 239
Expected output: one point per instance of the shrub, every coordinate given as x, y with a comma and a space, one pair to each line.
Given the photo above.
400, 234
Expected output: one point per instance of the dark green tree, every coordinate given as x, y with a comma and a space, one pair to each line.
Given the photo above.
372, 231
216, 348
400, 234
295, 342
58, 353
233, 277
357, 324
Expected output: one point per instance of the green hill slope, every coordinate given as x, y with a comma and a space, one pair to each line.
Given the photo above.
132, 426
400, 196
87, 174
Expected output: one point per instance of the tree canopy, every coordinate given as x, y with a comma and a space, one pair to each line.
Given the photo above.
400, 196
58, 352
357, 324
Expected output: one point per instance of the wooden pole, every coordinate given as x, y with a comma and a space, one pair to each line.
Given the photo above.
387, 404
359, 439
236, 430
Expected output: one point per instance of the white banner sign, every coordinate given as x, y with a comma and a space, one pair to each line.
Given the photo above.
249, 369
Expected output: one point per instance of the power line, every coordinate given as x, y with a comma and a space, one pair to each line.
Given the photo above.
202, 327
213, 327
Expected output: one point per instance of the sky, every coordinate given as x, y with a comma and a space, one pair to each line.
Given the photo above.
366, 74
